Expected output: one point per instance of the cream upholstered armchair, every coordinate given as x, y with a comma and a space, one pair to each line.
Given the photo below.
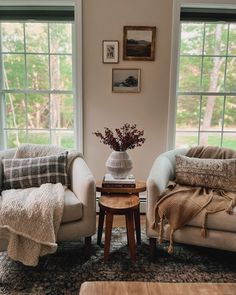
221, 226
79, 215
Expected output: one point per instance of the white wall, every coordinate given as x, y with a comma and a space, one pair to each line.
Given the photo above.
104, 20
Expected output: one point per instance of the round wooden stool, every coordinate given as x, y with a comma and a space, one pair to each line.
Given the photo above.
119, 204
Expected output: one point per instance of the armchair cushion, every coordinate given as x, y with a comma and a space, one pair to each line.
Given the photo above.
211, 173
221, 221
73, 208
32, 172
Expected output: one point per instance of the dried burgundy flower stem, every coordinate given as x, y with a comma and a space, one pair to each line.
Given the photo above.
124, 138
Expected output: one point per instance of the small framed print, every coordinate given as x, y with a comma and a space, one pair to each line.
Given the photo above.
110, 51
139, 43
126, 80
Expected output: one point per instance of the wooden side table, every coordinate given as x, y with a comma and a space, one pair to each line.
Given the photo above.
120, 201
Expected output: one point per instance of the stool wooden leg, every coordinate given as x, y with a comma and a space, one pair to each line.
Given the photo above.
137, 225
126, 224
153, 245
130, 229
109, 221
100, 226
88, 247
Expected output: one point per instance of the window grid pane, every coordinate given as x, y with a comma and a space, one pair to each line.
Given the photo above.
207, 70
28, 95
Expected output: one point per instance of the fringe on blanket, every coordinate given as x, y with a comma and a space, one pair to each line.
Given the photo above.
162, 218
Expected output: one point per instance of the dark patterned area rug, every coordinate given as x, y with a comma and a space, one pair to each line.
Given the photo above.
63, 272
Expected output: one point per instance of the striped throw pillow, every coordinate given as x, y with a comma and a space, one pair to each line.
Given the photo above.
32, 172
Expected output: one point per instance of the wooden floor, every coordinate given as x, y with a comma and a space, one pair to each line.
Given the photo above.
144, 288
119, 220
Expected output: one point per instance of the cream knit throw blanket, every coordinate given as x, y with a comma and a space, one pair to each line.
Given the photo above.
30, 219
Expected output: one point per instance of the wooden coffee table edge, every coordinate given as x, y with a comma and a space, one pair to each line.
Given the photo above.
148, 288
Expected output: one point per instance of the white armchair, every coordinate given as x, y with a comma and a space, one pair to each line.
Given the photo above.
221, 226
79, 216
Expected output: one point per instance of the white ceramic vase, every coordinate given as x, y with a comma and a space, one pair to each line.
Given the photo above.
119, 164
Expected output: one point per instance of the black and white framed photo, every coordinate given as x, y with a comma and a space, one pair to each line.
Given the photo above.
110, 51
139, 43
126, 80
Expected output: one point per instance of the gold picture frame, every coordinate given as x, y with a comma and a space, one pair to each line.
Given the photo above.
139, 43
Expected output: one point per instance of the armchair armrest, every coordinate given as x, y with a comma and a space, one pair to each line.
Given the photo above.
157, 181
6, 154
83, 186
162, 171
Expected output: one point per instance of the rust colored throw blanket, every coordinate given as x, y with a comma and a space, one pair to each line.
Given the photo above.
179, 204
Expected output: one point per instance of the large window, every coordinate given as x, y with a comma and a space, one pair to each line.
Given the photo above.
36, 82
206, 97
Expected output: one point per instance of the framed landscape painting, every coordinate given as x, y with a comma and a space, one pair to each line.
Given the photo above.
126, 80
139, 43
110, 51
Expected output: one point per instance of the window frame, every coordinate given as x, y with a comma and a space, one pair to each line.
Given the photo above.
175, 53
76, 68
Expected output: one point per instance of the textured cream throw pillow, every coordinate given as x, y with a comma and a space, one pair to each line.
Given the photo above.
211, 173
